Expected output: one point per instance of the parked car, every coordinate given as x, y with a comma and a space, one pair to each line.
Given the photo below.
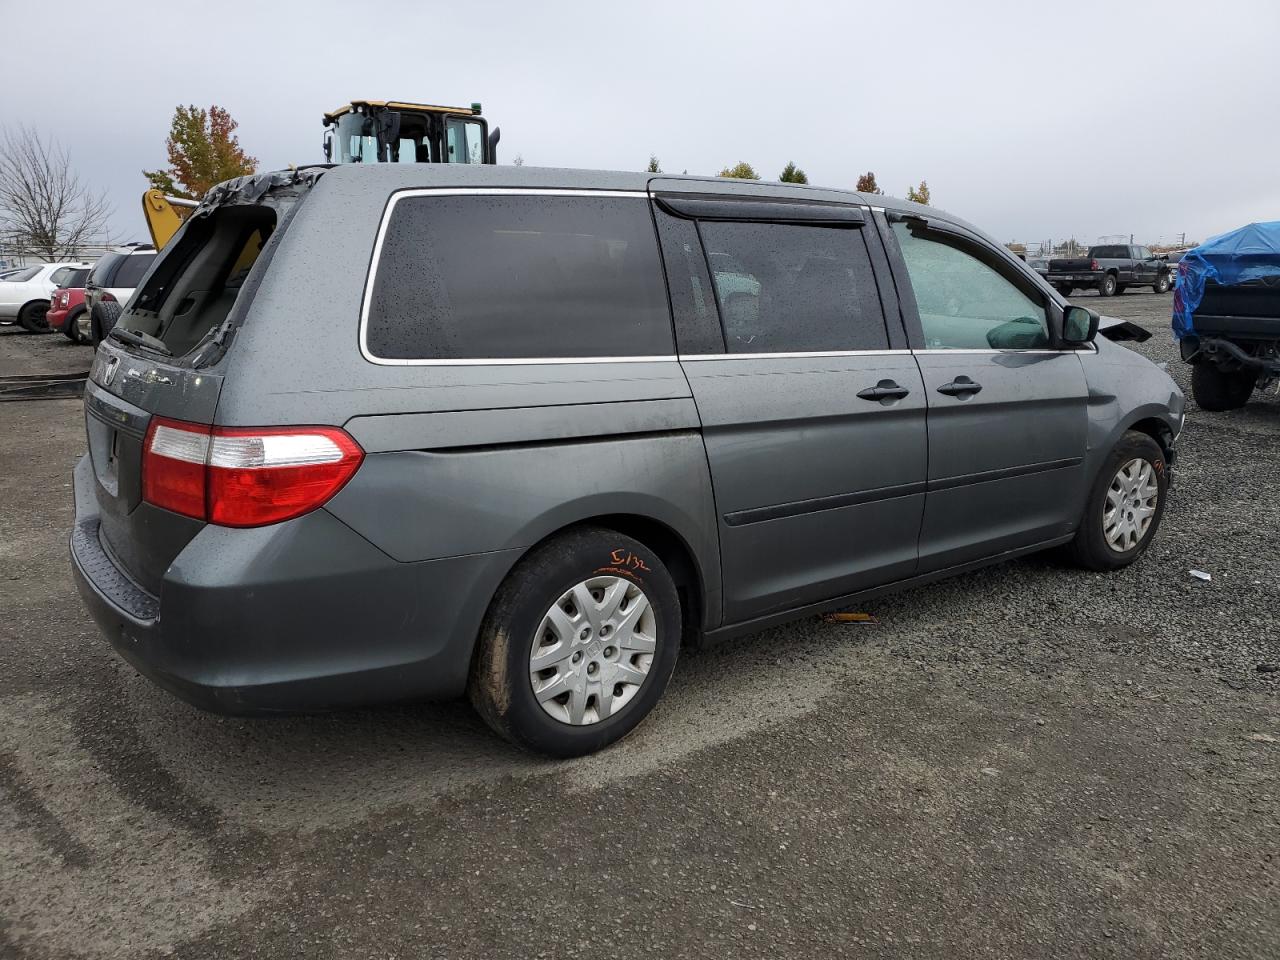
25, 293
1173, 258
67, 312
1040, 265
111, 283
1226, 315
1110, 269
498, 435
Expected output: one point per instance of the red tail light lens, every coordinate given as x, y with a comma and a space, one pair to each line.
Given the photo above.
244, 476
1093, 265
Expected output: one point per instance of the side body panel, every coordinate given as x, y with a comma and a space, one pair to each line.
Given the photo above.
818, 492
1007, 461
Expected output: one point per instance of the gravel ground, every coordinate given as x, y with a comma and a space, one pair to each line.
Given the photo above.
1028, 761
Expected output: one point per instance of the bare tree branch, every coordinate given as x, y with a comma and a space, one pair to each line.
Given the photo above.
44, 206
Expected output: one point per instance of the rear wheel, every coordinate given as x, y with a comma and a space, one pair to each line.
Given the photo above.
1125, 505
34, 317
1216, 389
1108, 285
105, 315
78, 327
1120, 288
1162, 285
578, 644
1065, 289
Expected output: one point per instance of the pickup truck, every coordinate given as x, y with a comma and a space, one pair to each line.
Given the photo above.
1226, 315
1110, 269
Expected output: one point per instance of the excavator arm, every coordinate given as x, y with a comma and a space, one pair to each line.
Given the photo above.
164, 215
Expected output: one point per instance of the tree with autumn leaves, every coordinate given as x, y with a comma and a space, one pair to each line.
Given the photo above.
203, 151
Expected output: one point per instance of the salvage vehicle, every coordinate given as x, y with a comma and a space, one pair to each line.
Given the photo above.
1226, 315
521, 433
25, 293
111, 283
67, 312
1110, 269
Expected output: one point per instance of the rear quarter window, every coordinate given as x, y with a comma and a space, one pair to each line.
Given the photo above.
101, 271
132, 270
481, 277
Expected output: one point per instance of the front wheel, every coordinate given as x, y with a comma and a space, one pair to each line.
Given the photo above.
578, 644
1162, 285
1125, 505
1108, 286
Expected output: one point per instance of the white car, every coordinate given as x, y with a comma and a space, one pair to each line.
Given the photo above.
25, 293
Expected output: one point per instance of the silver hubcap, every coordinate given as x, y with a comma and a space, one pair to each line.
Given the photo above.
1131, 504
593, 650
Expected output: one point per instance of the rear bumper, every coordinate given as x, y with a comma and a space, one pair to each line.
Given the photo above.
302, 616
57, 319
1075, 279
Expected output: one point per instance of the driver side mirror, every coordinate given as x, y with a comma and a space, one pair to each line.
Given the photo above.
1079, 325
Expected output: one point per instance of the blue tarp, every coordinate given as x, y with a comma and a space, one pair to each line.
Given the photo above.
1248, 253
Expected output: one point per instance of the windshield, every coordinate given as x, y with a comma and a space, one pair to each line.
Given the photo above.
352, 145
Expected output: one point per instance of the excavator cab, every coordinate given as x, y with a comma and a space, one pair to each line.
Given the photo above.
388, 131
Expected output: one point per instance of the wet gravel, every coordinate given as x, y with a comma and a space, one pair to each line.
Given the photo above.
1027, 761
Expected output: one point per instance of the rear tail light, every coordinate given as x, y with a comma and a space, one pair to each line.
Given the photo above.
1093, 265
244, 476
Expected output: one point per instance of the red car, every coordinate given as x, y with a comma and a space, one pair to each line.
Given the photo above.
67, 311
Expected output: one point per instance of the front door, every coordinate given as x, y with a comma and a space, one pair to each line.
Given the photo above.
814, 426
1007, 413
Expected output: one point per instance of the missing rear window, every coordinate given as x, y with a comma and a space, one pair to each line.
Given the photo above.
198, 278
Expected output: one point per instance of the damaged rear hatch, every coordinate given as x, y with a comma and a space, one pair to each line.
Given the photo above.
166, 359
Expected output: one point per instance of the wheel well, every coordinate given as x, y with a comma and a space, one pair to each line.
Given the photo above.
675, 555
1157, 430
35, 302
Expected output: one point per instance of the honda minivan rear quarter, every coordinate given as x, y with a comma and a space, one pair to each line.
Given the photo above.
379, 433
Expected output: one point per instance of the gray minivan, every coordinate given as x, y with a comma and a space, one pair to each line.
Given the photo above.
403, 431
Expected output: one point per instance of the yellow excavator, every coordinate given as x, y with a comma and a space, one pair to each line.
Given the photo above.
164, 214
393, 131
368, 131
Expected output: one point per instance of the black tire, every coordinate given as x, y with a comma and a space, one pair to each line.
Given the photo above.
34, 317
1163, 284
104, 317
72, 328
1108, 285
1217, 390
1090, 548
500, 685
1065, 289
1121, 288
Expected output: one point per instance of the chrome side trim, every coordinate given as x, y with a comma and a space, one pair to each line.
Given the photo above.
943, 351
476, 191
802, 355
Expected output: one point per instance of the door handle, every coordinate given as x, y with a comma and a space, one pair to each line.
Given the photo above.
961, 387
884, 391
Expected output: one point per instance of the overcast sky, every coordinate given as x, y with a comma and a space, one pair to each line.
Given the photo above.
1031, 119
